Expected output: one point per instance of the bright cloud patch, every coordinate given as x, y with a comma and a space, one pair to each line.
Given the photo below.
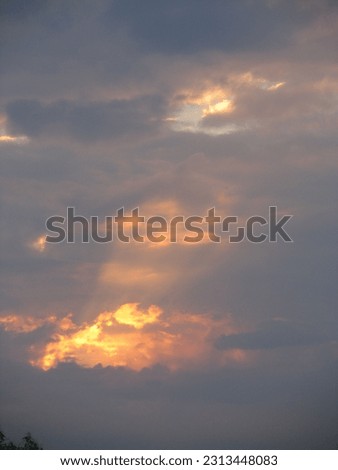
9, 139
214, 102
20, 324
39, 244
131, 337
198, 105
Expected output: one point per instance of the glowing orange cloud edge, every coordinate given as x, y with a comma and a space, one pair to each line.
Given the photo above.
130, 337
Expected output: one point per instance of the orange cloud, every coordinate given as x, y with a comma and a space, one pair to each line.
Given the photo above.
248, 79
9, 139
39, 244
132, 337
118, 273
20, 324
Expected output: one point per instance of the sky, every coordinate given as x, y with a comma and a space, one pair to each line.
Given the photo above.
173, 107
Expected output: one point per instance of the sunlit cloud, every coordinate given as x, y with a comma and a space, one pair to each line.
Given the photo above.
169, 232
195, 106
249, 79
223, 106
217, 101
6, 137
174, 112
25, 324
39, 244
119, 273
275, 86
10, 139
131, 337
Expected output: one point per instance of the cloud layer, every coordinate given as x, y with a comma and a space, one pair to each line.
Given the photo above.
172, 107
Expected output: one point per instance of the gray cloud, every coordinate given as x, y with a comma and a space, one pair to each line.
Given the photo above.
90, 85
105, 408
19, 9
278, 335
86, 122
190, 27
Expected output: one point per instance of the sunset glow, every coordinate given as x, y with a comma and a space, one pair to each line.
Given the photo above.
130, 337
39, 244
169, 224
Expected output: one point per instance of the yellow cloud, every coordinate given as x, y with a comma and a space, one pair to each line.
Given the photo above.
198, 104
249, 79
128, 314
121, 274
39, 244
223, 106
9, 139
131, 337
21, 324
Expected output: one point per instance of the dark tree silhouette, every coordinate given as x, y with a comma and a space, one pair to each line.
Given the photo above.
27, 443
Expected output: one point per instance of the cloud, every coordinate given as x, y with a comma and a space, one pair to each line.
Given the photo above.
10, 139
39, 244
128, 337
278, 335
173, 107
251, 103
228, 26
157, 409
24, 324
86, 122
20, 9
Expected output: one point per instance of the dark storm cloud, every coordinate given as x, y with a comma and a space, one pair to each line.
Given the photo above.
178, 27
278, 335
105, 408
55, 50
20, 9
86, 121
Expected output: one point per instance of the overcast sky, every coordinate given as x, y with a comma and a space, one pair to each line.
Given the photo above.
174, 107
